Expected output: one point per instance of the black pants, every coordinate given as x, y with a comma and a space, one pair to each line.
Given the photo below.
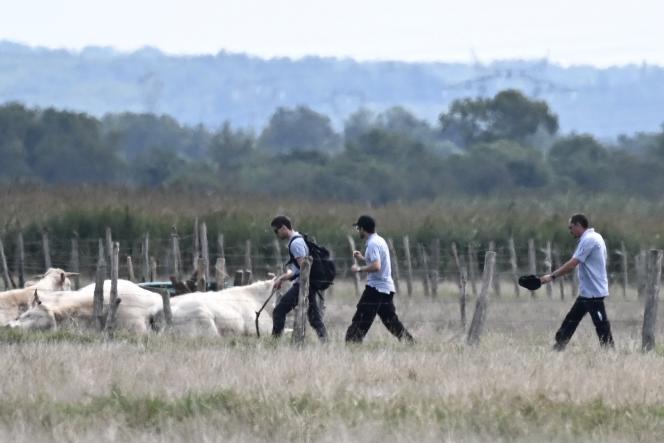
288, 302
593, 306
371, 303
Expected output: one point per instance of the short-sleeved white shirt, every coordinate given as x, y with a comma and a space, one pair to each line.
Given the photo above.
377, 250
591, 254
298, 248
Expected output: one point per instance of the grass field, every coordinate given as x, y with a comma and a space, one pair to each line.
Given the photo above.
71, 386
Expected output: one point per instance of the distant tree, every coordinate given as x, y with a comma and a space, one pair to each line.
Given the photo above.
582, 159
299, 129
509, 115
229, 149
15, 121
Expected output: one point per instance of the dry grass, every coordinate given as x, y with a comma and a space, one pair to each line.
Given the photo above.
512, 387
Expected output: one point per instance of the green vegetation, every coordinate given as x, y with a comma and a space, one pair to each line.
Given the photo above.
505, 145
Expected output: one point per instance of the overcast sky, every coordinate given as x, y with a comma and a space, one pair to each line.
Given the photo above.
598, 32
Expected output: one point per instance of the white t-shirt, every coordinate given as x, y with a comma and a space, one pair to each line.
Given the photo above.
591, 254
298, 248
377, 250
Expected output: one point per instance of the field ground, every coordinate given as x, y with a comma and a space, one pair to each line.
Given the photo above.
72, 386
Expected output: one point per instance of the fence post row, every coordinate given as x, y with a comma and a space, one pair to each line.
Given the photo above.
548, 267
20, 250
196, 245
496, 279
300, 320
532, 260
654, 269
481, 306
109, 251
175, 252
248, 266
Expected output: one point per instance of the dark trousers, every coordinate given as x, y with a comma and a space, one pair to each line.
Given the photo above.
288, 302
593, 306
371, 303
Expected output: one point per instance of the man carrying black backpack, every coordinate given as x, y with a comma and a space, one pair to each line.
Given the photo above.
297, 249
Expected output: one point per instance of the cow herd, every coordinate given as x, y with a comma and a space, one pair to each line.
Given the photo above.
49, 304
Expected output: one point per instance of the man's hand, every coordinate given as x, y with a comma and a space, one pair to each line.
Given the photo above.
546, 279
355, 268
358, 255
277, 283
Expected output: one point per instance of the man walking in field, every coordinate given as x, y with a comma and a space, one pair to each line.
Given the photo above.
590, 257
297, 249
378, 294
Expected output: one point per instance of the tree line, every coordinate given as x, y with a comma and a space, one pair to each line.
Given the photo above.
505, 144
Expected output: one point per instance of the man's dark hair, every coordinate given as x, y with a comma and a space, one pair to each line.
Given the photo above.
579, 219
367, 223
281, 220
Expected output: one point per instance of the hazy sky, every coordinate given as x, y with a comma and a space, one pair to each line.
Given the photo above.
599, 32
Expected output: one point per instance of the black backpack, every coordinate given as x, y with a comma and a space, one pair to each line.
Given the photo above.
323, 270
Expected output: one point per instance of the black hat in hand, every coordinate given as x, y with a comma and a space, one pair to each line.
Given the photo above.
530, 282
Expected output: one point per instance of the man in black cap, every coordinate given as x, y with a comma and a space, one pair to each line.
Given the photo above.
378, 294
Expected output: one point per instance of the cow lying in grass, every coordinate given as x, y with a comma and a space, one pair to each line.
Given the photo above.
50, 311
15, 301
228, 312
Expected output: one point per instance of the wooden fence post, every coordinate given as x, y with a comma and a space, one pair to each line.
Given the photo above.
248, 267
114, 299
21, 259
5, 270
239, 278
205, 251
532, 260
175, 252
561, 280
409, 265
514, 266
435, 266
356, 276
75, 265
98, 298
300, 321
472, 267
47, 249
153, 269
548, 267
220, 272
496, 277
461, 282
130, 269
109, 251
201, 281
196, 246
482, 303
623, 256
146, 258
424, 263
652, 295
640, 262
278, 261
394, 261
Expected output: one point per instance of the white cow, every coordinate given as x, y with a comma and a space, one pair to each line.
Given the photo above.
15, 301
228, 312
52, 310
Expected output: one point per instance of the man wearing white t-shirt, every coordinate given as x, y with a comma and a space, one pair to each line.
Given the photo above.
378, 295
590, 257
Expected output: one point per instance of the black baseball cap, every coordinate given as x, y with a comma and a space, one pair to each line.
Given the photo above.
366, 222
